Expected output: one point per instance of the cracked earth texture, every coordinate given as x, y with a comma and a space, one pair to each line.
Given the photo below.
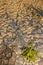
21, 21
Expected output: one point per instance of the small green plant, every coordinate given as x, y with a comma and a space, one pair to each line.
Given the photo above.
29, 52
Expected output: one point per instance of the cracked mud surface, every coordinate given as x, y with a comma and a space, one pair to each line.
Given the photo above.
20, 23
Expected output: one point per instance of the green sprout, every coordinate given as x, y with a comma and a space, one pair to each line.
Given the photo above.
29, 52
